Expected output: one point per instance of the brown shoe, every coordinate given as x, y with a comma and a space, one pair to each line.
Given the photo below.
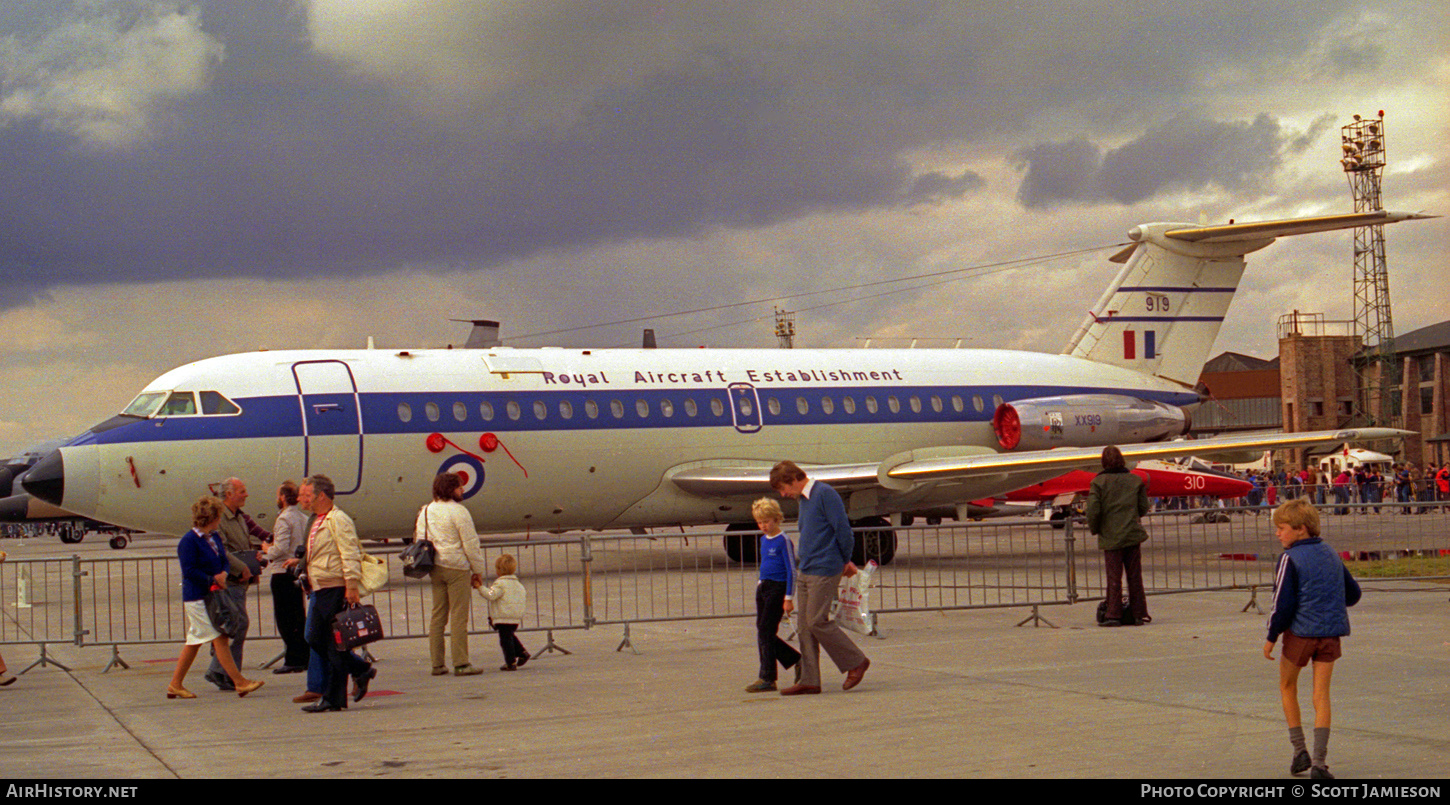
309, 696
853, 676
799, 690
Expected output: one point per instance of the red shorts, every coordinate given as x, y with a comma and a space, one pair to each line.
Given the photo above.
1300, 650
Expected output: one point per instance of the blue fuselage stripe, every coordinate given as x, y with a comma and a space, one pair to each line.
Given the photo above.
281, 416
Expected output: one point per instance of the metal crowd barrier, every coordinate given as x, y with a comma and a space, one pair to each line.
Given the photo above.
588, 580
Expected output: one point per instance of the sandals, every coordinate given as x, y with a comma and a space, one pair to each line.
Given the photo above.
179, 693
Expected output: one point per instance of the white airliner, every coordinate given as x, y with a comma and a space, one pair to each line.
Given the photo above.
556, 439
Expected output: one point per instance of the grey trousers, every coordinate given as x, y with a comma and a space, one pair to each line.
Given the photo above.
813, 597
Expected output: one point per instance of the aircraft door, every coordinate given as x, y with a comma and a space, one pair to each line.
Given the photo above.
332, 433
745, 407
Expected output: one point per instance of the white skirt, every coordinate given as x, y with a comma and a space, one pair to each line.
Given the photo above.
198, 624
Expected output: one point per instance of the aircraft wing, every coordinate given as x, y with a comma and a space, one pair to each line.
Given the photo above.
906, 471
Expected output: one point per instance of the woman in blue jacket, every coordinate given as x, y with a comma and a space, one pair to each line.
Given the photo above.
203, 563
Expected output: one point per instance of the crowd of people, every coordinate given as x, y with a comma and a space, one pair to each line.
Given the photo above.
316, 560
1339, 487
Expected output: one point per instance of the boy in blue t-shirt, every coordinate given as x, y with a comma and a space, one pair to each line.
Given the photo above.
1312, 593
773, 594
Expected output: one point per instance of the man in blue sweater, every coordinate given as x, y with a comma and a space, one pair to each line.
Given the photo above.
824, 556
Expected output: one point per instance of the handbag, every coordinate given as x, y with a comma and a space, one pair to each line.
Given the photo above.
357, 625
226, 613
374, 574
418, 558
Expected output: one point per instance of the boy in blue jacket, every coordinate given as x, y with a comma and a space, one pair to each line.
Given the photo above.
773, 595
1312, 593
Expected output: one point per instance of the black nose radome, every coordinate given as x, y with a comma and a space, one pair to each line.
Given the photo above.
46, 480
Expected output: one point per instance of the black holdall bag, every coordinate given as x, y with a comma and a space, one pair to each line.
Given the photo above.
357, 625
227, 615
418, 558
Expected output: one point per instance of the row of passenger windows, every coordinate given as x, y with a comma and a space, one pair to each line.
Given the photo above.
513, 410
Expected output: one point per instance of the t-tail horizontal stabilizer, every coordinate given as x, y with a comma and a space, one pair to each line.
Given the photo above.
1162, 313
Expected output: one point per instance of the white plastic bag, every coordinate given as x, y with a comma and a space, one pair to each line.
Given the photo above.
852, 609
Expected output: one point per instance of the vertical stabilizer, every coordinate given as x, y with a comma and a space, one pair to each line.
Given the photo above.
1162, 313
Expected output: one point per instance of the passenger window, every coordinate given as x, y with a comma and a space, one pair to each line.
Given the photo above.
957, 404
894, 404
486, 411
460, 411
871, 404
996, 401
717, 407
667, 408
431, 411
180, 403
540, 410
915, 402
641, 407
690, 408
214, 403
405, 412
772, 405
848, 404
591, 409
566, 410
977, 402
802, 406
513, 409
936, 403
617, 408
828, 405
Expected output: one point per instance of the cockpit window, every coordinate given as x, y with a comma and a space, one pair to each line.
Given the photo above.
180, 403
145, 403
214, 403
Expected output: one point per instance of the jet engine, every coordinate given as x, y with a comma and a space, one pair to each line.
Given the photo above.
1086, 420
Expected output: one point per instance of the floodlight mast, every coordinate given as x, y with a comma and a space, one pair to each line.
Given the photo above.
1362, 143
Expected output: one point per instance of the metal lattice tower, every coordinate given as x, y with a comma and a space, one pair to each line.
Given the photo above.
784, 328
1363, 158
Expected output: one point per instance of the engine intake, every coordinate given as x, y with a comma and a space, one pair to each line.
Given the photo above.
1086, 420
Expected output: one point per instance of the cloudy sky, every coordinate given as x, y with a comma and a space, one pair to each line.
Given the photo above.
186, 179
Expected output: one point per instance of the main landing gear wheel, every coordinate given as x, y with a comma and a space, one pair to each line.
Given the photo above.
120, 541
742, 547
879, 542
71, 537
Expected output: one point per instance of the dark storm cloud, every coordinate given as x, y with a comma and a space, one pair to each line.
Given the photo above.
278, 159
1185, 153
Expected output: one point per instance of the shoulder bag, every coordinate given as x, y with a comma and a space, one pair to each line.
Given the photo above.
418, 558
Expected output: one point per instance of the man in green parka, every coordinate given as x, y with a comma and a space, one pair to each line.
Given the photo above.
1116, 499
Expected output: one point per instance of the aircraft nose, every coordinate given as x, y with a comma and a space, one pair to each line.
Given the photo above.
46, 480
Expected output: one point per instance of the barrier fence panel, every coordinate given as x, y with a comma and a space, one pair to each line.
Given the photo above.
1000, 563
38, 601
668, 577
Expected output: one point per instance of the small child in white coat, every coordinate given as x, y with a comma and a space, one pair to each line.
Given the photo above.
506, 601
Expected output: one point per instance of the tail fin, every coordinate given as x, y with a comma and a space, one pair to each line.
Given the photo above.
1162, 313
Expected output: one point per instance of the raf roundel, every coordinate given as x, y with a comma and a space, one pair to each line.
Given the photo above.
469, 469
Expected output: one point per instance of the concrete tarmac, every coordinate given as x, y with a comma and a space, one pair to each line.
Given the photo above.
955, 694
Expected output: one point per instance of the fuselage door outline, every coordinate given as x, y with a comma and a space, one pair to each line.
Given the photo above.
324, 398
745, 408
